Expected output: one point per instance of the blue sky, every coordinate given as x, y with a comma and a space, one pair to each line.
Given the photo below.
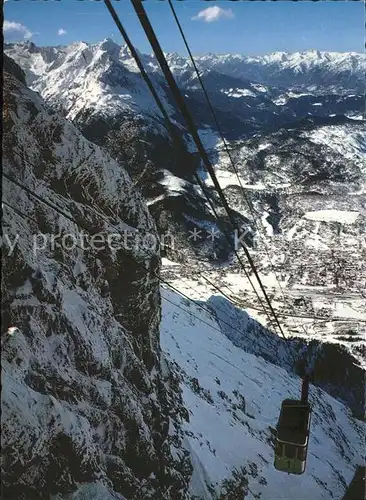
236, 27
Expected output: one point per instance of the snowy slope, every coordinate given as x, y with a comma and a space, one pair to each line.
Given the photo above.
348, 141
233, 400
94, 491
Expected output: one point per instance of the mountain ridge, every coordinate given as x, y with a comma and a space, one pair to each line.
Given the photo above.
352, 64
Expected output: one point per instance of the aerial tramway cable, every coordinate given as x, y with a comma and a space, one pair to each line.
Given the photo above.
246, 198
145, 23
144, 20
176, 139
289, 457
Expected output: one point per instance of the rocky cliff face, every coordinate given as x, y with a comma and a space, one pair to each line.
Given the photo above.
87, 400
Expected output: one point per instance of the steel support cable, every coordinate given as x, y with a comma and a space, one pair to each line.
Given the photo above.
243, 267
185, 281
269, 353
233, 299
201, 275
198, 275
175, 137
21, 214
193, 131
236, 303
171, 287
145, 23
216, 287
72, 220
226, 148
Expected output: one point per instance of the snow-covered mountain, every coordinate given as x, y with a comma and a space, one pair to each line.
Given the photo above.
82, 76
310, 70
104, 78
84, 374
99, 87
87, 399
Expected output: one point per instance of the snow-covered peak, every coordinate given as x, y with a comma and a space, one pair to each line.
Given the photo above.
314, 57
108, 42
128, 62
103, 78
77, 46
99, 78
125, 51
109, 46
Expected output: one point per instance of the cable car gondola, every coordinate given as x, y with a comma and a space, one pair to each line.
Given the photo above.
293, 431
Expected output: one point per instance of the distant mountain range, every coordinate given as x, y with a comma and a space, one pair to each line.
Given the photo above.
104, 76
273, 97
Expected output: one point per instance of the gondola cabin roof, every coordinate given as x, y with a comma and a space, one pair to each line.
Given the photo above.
294, 422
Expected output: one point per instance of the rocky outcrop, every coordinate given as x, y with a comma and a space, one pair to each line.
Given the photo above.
334, 368
164, 173
87, 404
10, 66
